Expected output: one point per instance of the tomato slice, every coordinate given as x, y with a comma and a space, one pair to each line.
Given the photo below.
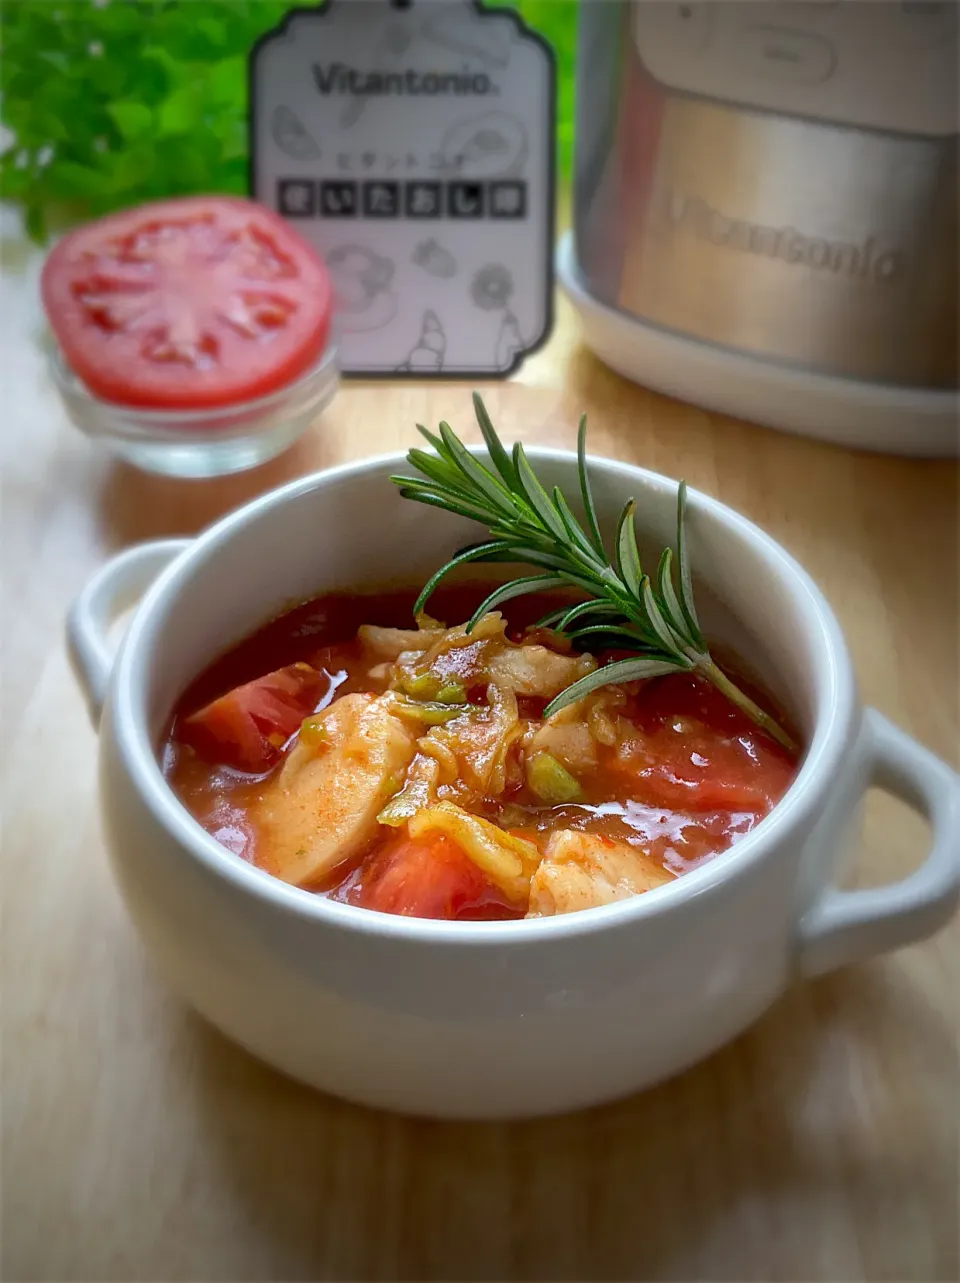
192, 303
697, 751
426, 878
248, 727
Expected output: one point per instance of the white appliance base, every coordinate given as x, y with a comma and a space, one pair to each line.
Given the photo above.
865, 416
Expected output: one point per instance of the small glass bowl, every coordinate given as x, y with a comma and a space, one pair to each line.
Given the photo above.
205, 442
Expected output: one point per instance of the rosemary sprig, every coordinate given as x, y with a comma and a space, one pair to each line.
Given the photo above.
653, 616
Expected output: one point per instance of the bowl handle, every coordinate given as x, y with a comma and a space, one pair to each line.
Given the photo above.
843, 926
114, 588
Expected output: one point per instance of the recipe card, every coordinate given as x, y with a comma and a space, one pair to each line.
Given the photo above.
414, 147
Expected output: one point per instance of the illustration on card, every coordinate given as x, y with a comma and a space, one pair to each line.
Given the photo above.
362, 283
291, 136
426, 355
434, 258
491, 290
490, 146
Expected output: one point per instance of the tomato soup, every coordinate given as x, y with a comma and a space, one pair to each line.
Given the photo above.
412, 770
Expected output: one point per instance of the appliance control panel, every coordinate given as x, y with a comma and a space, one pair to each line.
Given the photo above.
880, 64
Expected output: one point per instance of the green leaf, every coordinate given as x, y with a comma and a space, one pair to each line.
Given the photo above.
624, 670
14, 183
499, 456
622, 633
537, 497
180, 112
173, 69
574, 529
657, 622
232, 134
686, 578
435, 468
482, 478
56, 59
36, 225
593, 607
506, 592
550, 619
586, 491
437, 442
628, 555
69, 181
480, 552
133, 119
214, 32
519, 553
668, 598
81, 76
183, 159
424, 494
226, 83
121, 18
131, 168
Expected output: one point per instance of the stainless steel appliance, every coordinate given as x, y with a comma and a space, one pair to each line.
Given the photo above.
765, 210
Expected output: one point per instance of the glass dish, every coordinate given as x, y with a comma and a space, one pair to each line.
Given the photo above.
204, 442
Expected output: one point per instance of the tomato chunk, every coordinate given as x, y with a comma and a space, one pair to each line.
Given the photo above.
248, 727
696, 751
200, 302
426, 878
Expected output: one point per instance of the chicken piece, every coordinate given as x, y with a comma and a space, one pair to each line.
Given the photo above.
537, 671
583, 870
322, 808
569, 742
391, 643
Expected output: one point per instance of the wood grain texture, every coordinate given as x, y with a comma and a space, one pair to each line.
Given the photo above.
139, 1145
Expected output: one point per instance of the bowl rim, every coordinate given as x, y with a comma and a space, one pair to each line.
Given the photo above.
830, 739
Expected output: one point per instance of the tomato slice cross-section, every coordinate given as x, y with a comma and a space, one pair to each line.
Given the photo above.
188, 304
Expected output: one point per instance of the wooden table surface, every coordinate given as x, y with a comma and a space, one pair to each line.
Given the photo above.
139, 1145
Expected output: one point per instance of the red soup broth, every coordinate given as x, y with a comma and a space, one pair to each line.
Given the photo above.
701, 777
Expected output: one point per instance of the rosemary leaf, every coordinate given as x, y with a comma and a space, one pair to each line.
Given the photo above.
659, 625
537, 497
617, 634
480, 552
668, 599
499, 456
494, 490
686, 578
506, 592
582, 608
586, 492
587, 552
624, 670
628, 555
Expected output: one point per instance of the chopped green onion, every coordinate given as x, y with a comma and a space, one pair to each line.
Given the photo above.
452, 693
428, 713
428, 686
551, 781
412, 797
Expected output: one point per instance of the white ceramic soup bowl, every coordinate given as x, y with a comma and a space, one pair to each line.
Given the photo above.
496, 1019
